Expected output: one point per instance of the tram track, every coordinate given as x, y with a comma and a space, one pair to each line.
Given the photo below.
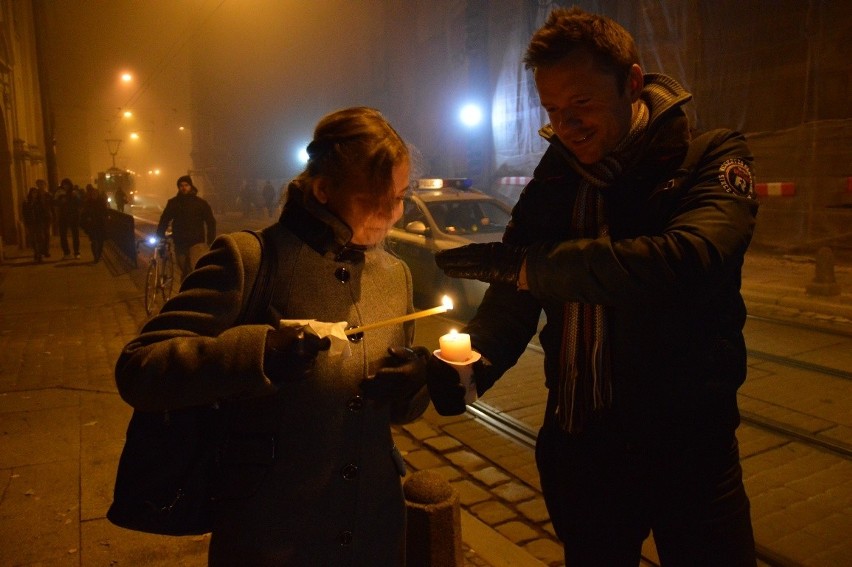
525, 435
514, 429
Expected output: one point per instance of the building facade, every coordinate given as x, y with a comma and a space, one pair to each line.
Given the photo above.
23, 149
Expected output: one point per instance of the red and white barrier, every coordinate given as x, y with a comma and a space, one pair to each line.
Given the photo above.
776, 189
514, 180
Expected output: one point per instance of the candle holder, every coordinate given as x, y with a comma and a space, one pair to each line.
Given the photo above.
465, 370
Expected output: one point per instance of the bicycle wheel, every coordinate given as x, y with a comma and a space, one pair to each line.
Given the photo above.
151, 287
167, 275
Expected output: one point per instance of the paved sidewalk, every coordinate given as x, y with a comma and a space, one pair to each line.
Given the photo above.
62, 423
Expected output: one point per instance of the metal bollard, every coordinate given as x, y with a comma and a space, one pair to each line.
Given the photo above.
824, 282
433, 531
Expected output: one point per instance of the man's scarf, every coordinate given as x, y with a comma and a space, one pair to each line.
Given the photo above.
585, 385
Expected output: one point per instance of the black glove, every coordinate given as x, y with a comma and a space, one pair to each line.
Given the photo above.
401, 376
291, 353
493, 262
445, 387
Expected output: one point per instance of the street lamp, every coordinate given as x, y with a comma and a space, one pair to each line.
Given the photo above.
470, 115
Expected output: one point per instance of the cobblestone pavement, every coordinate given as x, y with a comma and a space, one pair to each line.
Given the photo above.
62, 424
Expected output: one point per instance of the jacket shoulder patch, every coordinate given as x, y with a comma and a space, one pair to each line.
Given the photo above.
736, 178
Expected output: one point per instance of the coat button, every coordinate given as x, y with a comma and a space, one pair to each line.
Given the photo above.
354, 337
345, 538
342, 274
355, 404
350, 472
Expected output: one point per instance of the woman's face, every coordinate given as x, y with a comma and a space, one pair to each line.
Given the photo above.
367, 218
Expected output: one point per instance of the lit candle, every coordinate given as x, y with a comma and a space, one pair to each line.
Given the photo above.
455, 346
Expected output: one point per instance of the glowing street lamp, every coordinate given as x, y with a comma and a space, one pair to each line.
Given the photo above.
470, 115
126, 77
134, 136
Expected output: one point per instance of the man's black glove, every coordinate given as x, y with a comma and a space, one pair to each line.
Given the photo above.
291, 353
492, 262
445, 387
401, 376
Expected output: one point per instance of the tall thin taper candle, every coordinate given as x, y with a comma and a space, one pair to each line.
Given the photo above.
447, 304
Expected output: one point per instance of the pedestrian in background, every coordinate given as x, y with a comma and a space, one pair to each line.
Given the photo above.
120, 199
192, 222
327, 491
631, 238
35, 211
47, 203
67, 202
93, 220
268, 193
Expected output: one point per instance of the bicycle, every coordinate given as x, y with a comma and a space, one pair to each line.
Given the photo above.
160, 277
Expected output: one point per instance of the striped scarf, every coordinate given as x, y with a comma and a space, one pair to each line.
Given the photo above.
585, 385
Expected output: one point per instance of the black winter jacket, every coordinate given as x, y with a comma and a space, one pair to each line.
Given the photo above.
188, 214
668, 275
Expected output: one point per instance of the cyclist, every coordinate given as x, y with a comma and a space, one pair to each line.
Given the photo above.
193, 224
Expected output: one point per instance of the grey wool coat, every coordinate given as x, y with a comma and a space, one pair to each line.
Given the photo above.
310, 475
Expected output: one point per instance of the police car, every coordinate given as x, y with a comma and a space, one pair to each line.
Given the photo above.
439, 214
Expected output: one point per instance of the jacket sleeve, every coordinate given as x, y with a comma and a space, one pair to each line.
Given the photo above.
704, 236
191, 354
406, 411
165, 219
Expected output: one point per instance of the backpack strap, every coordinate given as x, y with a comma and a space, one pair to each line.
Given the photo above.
262, 274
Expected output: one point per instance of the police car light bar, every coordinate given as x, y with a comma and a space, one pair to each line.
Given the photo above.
453, 182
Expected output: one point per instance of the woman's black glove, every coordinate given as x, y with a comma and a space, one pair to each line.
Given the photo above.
402, 375
291, 353
493, 262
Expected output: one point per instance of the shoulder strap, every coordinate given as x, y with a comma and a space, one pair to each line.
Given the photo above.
264, 281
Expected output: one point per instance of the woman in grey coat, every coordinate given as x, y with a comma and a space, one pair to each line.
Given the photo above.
310, 475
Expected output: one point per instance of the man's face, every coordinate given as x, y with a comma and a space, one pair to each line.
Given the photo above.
587, 111
184, 187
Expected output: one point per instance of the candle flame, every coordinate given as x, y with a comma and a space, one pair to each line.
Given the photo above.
453, 332
447, 302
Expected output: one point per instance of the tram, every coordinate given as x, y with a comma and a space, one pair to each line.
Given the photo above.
112, 179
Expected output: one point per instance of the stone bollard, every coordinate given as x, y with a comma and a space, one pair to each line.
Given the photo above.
433, 531
824, 282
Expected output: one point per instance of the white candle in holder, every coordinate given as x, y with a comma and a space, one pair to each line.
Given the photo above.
455, 346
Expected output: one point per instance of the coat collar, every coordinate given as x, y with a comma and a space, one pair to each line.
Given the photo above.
329, 236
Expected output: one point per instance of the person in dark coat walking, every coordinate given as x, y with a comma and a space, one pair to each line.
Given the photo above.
328, 489
35, 212
192, 222
120, 199
93, 220
67, 204
47, 200
631, 238
268, 193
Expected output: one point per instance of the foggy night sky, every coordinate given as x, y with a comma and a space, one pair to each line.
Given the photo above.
264, 71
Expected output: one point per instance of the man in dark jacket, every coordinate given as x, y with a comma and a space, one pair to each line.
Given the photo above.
193, 224
631, 238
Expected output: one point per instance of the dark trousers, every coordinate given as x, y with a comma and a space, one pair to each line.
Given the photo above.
97, 241
64, 226
37, 240
605, 493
